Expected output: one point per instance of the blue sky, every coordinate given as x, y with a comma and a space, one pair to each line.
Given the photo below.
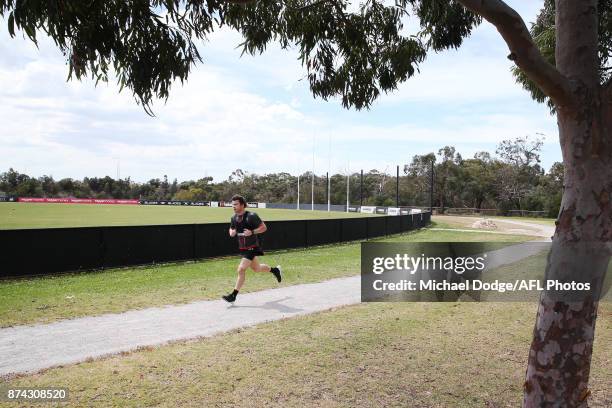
257, 114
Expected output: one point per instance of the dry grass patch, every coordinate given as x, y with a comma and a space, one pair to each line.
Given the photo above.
377, 354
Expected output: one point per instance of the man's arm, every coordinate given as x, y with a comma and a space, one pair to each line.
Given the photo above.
232, 228
255, 220
261, 229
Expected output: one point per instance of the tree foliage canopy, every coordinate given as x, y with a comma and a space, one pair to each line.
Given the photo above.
543, 33
354, 55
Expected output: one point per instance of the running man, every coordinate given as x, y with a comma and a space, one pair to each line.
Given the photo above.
248, 227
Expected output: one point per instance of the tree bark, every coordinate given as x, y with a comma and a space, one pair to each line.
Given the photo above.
562, 345
560, 355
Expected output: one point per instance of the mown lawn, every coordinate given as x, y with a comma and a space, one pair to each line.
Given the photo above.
370, 354
49, 215
47, 299
366, 355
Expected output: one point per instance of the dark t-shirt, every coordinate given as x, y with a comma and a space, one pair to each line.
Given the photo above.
248, 220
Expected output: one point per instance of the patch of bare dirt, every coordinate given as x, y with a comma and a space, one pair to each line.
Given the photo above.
486, 224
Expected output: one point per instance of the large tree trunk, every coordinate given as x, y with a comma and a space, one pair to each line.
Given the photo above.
560, 355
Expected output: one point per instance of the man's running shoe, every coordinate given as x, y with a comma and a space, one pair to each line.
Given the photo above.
229, 298
277, 273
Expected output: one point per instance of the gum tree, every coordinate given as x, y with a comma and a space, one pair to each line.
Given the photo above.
355, 55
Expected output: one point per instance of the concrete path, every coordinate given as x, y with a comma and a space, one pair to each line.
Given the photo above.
26, 349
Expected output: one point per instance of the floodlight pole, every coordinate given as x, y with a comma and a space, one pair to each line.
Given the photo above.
298, 192
328, 170
313, 169
348, 175
312, 193
328, 198
397, 188
361, 189
431, 186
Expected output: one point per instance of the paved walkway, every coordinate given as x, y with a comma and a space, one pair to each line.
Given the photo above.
26, 349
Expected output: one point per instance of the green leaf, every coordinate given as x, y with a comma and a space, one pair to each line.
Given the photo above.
11, 24
31, 32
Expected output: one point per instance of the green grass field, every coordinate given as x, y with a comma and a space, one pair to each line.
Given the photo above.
370, 354
367, 355
44, 215
51, 298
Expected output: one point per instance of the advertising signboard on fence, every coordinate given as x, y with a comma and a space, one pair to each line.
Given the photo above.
69, 200
381, 210
393, 211
353, 209
368, 209
189, 203
252, 205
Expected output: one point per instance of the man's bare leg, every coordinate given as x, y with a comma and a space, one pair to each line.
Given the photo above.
242, 267
259, 267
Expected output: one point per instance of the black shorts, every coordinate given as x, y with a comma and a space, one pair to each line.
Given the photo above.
251, 253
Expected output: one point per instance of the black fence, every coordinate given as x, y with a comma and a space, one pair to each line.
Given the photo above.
51, 250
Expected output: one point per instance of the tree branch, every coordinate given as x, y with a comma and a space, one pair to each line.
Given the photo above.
523, 51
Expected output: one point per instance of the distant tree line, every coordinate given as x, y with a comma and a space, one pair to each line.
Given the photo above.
512, 179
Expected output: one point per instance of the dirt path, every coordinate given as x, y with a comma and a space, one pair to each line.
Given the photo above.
504, 226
